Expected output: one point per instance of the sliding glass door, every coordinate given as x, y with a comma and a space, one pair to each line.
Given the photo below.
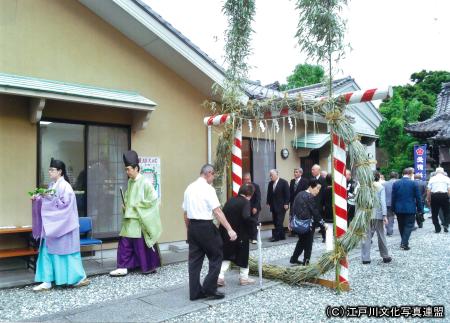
93, 158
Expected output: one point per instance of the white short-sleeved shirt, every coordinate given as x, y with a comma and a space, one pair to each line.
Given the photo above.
200, 199
439, 183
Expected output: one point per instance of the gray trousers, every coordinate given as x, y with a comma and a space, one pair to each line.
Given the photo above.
378, 227
391, 219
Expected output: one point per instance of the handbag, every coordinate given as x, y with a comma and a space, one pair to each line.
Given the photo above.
300, 226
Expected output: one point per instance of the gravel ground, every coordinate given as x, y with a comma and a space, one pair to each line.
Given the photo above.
420, 276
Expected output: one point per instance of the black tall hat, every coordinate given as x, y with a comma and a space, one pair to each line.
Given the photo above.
130, 158
58, 164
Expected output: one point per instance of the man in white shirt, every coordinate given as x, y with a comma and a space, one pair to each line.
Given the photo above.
438, 191
199, 205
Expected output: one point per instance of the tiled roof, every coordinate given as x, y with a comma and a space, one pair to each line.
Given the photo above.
443, 100
257, 91
320, 89
438, 126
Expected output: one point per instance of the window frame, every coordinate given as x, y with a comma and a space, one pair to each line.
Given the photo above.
85, 138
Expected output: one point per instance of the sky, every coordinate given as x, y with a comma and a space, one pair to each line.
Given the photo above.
389, 39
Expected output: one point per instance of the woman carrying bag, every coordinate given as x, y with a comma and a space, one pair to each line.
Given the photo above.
304, 210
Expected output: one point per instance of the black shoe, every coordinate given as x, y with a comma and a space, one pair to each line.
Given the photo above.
323, 240
153, 271
387, 260
215, 295
437, 231
366, 262
446, 229
274, 240
200, 296
389, 235
404, 247
420, 225
284, 238
305, 262
295, 262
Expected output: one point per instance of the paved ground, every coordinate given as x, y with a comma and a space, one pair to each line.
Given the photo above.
420, 276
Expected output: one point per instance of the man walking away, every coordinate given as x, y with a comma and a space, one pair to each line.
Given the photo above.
423, 192
376, 225
437, 197
199, 205
406, 202
393, 177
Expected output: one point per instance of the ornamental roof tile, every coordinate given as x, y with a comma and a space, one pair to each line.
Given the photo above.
438, 126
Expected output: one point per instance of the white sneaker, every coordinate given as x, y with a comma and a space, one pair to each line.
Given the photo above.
119, 272
42, 287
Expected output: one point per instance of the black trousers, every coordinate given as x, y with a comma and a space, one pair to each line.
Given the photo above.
304, 243
439, 201
320, 225
350, 213
204, 239
254, 220
278, 220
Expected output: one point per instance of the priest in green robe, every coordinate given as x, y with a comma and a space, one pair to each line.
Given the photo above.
141, 224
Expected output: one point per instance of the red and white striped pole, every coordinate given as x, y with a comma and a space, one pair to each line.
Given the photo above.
217, 119
340, 201
364, 95
236, 161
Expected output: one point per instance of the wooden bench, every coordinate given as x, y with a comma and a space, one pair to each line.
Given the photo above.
28, 253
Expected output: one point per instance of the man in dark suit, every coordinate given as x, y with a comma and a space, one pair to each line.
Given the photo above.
255, 205
422, 185
315, 174
278, 200
298, 184
406, 202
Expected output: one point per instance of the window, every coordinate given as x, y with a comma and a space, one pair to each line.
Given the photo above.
64, 142
93, 158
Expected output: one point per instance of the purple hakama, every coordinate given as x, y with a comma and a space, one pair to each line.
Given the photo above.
133, 253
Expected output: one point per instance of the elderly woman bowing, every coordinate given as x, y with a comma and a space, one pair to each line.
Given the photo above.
238, 213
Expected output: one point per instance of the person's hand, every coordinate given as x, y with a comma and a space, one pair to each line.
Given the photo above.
232, 234
385, 220
286, 206
289, 227
254, 211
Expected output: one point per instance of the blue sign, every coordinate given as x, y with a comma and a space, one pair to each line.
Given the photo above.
420, 160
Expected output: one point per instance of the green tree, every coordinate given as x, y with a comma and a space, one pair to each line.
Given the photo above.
304, 74
411, 103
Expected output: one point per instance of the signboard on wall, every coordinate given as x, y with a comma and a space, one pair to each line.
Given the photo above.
151, 168
420, 160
